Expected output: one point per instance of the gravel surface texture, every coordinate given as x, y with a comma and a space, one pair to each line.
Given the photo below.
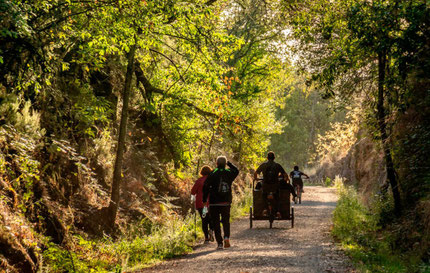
308, 247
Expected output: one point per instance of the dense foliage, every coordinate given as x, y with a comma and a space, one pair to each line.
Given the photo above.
109, 108
307, 116
364, 239
375, 53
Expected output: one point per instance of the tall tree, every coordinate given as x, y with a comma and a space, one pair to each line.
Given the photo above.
117, 172
354, 48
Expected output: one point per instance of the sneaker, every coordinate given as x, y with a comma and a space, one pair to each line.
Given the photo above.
220, 246
265, 213
211, 235
226, 243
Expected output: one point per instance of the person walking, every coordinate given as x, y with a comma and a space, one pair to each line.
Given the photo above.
218, 194
197, 191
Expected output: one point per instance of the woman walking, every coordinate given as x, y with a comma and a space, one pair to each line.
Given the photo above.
197, 190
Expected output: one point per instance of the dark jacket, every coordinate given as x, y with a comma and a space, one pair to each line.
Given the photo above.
277, 169
212, 184
271, 171
283, 185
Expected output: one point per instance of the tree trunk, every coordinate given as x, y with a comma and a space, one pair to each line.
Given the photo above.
210, 145
117, 172
391, 175
200, 158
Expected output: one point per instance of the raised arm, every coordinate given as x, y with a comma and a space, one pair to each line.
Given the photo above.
307, 176
234, 171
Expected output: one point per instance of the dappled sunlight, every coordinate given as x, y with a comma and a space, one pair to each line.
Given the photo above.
111, 111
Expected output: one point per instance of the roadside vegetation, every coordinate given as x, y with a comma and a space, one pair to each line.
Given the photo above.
144, 244
361, 232
108, 109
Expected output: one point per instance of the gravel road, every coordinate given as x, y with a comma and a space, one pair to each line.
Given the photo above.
307, 247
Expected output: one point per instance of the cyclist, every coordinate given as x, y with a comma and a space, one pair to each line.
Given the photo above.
296, 176
271, 171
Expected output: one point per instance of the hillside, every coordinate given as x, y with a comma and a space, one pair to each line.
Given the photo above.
109, 109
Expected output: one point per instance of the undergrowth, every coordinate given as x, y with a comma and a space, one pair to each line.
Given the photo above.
361, 235
147, 243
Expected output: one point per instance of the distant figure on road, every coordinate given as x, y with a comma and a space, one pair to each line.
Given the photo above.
271, 171
197, 190
296, 176
217, 188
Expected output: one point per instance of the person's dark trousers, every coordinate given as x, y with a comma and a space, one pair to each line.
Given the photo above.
206, 223
220, 214
298, 182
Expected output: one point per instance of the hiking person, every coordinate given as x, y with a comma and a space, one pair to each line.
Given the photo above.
296, 176
271, 170
217, 188
197, 191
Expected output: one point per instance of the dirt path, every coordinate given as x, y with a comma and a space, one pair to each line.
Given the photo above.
306, 248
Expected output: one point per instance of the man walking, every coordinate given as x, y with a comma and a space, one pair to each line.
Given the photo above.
218, 187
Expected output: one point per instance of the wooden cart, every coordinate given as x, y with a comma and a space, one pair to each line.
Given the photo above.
259, 205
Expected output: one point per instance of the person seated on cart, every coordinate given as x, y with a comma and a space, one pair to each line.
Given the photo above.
296, 176
258, 186
286, 185
271, 170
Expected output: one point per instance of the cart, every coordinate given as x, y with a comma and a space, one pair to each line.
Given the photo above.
258, 205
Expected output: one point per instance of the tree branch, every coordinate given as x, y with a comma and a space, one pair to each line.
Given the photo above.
174, 64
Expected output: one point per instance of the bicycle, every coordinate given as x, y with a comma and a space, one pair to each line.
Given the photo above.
299, 191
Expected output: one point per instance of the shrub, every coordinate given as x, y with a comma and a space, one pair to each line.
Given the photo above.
145, 243
327, 182
241, 203
362, 237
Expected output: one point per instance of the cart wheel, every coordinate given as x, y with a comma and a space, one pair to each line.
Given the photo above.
292, 217
250, 217
271, 219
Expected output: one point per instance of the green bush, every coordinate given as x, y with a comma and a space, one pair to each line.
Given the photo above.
241, 204
362, 237
173, 238
58, 259
145, 243
327, 182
